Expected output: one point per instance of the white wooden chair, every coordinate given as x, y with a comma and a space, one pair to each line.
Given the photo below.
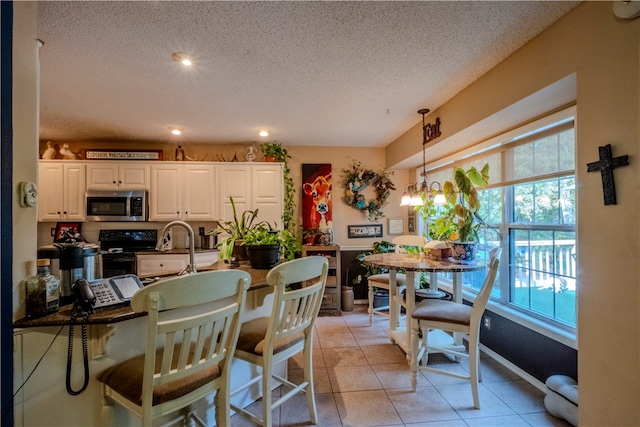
381, 280
192, 330
452, 317
267, 341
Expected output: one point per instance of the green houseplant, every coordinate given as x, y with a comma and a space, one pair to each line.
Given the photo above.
266, 246
275, 152
236, 230
463, 196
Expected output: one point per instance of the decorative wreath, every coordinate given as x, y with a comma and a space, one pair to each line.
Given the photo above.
357, 179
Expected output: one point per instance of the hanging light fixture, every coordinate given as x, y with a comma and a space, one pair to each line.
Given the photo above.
412, 195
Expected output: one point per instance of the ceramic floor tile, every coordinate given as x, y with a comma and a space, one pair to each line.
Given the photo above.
370, 336
505, 420
361, 379
434, 378
353, 378
344, 356
394, 375
447, 423
255, 408
521, 396
384, 354
544, 419
425, 404
367, 408
339, 339
320, 379
294, 412
461, 399
297, 362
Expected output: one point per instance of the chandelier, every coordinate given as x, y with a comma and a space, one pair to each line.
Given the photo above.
412, 195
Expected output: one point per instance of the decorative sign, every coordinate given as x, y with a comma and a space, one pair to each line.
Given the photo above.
111, 154
605, 165
361, 231
430, 132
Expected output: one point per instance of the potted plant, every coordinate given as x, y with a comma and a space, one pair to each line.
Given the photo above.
463, 196
266, 246
263, 246
274, 152
236, 231
312, 236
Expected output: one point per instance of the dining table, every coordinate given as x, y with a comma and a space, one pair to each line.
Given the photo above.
412, 263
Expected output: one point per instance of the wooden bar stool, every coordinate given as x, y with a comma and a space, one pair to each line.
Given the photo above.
288, 331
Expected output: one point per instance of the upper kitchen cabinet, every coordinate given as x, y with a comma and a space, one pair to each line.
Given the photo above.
111, 175
252, 186
62, 186
183, 191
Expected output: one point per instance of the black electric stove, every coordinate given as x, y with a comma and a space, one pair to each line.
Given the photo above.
118, 249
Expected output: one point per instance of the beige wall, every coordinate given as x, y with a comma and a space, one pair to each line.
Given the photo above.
603, 52
25, 143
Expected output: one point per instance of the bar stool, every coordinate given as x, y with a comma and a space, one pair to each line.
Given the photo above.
288, 331
452, 317
196, 318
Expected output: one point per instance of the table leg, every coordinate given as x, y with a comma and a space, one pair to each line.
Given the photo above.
457, 297
394, 310
410, 304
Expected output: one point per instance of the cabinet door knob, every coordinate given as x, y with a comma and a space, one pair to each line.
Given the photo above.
113, 182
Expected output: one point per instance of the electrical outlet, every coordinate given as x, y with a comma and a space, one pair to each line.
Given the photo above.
487, 322
53, 232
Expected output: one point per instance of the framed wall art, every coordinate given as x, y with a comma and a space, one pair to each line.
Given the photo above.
316, 197
363, 231
67, 231
396, 226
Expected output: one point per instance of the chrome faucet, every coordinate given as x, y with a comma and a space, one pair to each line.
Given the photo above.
191, 268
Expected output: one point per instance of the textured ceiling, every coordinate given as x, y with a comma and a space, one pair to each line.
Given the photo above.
314, 73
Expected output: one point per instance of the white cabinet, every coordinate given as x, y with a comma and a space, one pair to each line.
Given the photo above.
162, 264
114, 175
61, 191
252, 186
183, 191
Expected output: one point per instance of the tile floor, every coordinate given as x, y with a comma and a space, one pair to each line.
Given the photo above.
362, 379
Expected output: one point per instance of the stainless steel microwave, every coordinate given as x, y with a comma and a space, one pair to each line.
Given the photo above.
117, 206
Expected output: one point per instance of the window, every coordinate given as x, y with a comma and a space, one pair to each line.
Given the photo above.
531, 202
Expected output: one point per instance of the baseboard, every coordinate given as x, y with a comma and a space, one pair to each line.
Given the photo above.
515, 369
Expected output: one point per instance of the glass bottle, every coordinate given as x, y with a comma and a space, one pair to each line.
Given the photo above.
43, 291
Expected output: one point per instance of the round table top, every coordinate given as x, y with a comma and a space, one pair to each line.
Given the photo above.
415, 262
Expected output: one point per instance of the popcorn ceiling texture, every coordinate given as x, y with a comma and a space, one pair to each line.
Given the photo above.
314, 73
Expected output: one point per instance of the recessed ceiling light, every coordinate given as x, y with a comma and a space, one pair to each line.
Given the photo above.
176, 131
182, 57
263, 132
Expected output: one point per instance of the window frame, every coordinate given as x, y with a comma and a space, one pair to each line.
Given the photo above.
533, 130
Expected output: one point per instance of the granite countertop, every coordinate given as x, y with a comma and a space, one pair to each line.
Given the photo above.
121, 313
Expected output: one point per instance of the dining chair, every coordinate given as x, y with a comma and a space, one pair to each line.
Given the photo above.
267, 341
452, 317
193, 323
382, 280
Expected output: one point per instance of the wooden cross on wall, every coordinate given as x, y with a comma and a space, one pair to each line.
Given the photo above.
605, 165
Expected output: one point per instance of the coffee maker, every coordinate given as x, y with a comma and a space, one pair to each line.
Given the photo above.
72, 261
